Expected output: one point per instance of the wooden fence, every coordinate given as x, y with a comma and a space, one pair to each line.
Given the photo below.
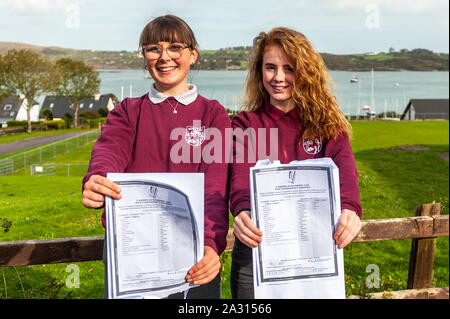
422, 228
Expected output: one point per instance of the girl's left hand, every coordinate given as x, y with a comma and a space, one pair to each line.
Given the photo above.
348, 227
206, 269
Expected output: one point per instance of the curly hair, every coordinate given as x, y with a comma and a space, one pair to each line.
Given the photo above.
319, 112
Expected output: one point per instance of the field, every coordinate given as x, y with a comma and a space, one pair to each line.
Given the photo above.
393, 179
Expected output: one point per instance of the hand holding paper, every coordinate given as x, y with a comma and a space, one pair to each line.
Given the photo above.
206, 269
348, 227
245, 229
95, 190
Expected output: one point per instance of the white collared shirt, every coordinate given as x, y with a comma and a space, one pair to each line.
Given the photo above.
185, 98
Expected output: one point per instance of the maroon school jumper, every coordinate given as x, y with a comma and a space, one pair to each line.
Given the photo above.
291, 146
137, 139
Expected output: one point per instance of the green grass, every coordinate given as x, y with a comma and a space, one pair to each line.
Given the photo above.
47, 207
392, 182
380, 134
379, 57
207, 52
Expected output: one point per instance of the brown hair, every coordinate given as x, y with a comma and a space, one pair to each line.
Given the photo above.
319, 112
168, 28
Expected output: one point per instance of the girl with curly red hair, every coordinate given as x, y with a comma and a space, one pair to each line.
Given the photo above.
287, 89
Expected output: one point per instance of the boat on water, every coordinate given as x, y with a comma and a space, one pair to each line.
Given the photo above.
354, 79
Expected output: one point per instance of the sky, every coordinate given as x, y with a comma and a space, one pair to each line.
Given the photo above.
333, 26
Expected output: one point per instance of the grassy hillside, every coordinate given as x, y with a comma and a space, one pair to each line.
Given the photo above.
392, 182
414, 60
236, 58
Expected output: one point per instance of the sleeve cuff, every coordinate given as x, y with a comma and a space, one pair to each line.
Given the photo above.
239, 207
354, 208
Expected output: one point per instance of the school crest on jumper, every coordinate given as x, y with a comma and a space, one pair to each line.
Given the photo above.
312, 146
195, 136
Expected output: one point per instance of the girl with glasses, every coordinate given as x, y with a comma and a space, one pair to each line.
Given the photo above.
137, 138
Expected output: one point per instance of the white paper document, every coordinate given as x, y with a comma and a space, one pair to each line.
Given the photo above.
154, 233
297, 208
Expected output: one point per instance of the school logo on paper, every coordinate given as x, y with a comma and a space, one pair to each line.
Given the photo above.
312, 146
195, 136
291, 178
153, 190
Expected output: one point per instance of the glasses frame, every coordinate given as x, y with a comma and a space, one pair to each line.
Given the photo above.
161, 50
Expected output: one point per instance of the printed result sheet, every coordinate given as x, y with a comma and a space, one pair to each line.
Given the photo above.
154, 233
296, 207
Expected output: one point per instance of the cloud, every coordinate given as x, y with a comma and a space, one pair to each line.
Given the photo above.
388, 6
37, 6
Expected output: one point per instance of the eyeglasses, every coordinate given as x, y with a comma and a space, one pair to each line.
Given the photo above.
174, 51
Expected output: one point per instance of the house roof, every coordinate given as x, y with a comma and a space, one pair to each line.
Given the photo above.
60, 106
428, 108
9, 107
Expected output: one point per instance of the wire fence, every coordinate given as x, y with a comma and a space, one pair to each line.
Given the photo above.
58, 169
44, 153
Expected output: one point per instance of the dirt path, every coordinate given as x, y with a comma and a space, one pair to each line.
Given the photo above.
420, 148
35, 141
443, 155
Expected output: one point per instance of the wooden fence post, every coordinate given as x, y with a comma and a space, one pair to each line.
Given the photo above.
422, 253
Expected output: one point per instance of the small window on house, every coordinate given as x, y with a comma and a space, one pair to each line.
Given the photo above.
91, 105
81, 105
7, 107
52, 105
12, 114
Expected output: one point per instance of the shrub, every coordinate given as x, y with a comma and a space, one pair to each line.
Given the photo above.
14, 123
89, 115
96, 123
47, 114
68, 120
103, 111
54, 124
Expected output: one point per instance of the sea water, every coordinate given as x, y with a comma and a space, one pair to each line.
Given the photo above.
383, 91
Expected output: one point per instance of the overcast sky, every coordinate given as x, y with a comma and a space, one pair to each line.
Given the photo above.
333, 26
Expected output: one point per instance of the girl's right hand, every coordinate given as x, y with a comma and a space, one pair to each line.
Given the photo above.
95, 190
245, 230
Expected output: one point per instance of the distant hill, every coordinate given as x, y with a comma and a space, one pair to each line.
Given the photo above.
404, 60
236, 58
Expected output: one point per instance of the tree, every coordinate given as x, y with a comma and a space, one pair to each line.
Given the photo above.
4, 89
103, 111
27, 74
76, 81
47, 114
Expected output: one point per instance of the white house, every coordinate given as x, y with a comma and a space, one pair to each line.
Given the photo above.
12, 109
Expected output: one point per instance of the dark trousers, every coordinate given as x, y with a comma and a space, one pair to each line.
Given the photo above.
241, 277
211, 290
